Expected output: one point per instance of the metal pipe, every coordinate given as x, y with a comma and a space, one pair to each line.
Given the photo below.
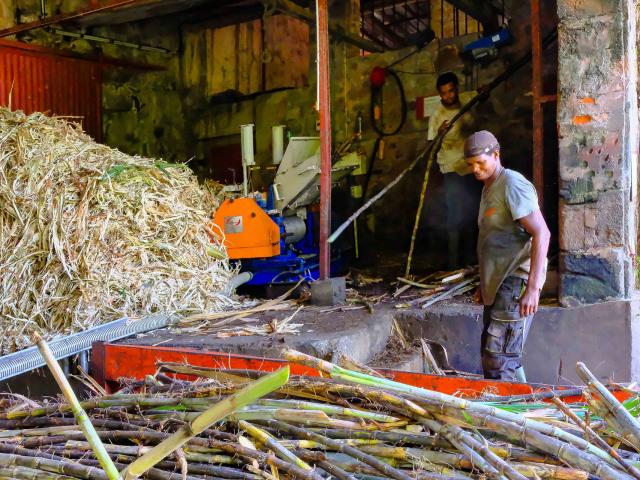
277, 143
112, 41
30, 358
324, 106
246, 145
79, 343
536, 88
53, 19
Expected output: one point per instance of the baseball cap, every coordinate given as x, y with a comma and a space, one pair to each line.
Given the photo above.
479, 143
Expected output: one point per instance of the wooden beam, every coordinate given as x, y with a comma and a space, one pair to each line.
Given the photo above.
52, 20
481, 11
289, 8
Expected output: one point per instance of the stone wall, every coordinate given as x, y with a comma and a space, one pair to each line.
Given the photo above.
598, 122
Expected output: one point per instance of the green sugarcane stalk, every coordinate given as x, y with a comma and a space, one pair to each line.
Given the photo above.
83, 420
247, 395
328, 409
266, 439
351, 451
629, 426
412, 409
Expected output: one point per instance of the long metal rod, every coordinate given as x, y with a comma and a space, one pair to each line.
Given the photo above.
52, 20
324, 105
536, 84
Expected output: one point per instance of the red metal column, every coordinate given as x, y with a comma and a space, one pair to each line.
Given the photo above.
536, 87
324, 106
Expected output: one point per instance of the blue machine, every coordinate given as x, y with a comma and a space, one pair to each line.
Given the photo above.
276, 238
487, 47
297, 260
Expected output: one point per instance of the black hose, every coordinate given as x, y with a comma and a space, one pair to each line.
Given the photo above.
376, 93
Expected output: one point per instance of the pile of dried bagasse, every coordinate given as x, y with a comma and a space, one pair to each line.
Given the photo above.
346, 425
89, 234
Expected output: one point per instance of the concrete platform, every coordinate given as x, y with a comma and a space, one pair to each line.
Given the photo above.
604, 336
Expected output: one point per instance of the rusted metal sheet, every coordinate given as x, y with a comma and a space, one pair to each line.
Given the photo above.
324, 105
536, 87
37, 80
113, 361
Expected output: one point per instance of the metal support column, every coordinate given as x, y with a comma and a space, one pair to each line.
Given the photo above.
324, 107
536, 87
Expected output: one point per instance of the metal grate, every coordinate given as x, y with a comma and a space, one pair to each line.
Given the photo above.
396, 24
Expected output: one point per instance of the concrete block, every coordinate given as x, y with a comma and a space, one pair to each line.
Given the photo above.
328, 292
586, 8
572, 223
590, 278
605, 220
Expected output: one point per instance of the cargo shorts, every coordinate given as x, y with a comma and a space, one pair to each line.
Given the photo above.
504, 332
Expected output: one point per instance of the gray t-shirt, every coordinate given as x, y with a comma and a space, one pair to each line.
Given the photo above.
504, 246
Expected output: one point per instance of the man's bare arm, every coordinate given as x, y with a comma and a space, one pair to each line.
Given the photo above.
535, 225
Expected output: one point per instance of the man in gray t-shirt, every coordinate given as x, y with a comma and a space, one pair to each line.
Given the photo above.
512, 253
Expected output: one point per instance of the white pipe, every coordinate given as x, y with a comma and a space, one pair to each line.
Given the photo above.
248, 158
277, 143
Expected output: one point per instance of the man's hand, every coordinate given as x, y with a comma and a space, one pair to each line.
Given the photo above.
443, 127
529, 301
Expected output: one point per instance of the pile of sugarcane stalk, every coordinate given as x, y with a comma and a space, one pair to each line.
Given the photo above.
345, 424
436, 287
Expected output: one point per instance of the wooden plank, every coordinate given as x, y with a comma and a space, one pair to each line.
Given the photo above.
287, 44
192, 59
249, 74
223, 60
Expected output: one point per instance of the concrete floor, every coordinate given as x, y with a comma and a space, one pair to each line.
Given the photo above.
599, 335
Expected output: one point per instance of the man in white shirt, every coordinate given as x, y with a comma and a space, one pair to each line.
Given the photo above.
460, 189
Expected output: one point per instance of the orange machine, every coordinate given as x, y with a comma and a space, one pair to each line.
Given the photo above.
249, 231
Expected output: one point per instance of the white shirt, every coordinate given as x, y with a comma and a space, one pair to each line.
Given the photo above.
451, 155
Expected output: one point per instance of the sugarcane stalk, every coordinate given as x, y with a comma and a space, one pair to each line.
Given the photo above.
518, 434
25, 473
151, 474
423, 395
552, 472
458, 438
630, 428
247, 395
266, 439
320, 460
65, 467
328, 409
595, 437
80, 415
392, 437
349, 450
